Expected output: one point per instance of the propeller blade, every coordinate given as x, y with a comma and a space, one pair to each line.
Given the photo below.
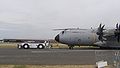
100, 32
103, 26
117, 25
117, 32
100, 26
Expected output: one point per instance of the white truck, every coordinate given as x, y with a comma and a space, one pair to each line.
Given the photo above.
27, 45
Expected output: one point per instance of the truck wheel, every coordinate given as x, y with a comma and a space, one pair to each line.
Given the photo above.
40, 46
19, 47
26, 46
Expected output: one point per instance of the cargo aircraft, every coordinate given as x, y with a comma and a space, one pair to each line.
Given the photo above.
100, 37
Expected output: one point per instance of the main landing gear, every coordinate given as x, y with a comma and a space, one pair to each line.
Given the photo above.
70, 46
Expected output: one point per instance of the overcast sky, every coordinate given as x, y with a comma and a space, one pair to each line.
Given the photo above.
35, 19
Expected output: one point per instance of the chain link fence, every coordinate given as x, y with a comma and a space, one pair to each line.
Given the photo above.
111, 56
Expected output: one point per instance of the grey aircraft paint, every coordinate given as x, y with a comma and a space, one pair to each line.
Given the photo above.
87, 37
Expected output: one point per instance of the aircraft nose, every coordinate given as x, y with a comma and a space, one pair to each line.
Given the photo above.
57, 38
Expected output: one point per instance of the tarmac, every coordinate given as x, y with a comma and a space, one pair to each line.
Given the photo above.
56, 56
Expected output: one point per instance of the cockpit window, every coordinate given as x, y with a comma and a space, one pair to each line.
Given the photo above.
63, 32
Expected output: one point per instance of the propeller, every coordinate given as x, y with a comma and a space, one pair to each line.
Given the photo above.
100, 32
117, 32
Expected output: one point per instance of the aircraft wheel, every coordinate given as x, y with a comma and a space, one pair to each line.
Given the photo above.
71, 47
26, 46
106, 48
40, 46
102, 48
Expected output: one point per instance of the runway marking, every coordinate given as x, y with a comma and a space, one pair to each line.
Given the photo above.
64, 51
54, 51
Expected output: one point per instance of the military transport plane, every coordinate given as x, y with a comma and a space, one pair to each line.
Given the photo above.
100, 37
